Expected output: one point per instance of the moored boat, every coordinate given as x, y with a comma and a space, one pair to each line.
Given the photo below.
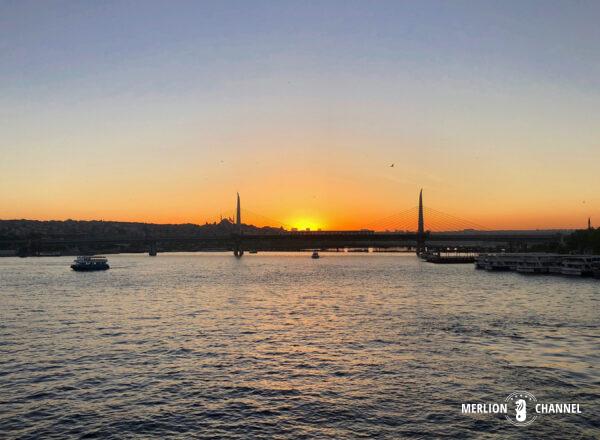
449, 258
501, 262
480, 261
538, 263
580, 265
555, 269
85, 263
315, 255
541, 263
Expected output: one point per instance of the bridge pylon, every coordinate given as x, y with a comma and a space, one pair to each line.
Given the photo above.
421, 227
238, 217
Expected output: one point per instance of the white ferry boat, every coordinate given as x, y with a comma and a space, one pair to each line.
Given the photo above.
538, 263
501, 262
87, 263
580, 265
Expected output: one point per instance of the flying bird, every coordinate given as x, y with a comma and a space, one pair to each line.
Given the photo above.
392, 166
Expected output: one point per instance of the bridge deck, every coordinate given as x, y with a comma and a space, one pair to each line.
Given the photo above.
302, 240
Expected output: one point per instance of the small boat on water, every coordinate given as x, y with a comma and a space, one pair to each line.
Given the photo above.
87, 263
315, 255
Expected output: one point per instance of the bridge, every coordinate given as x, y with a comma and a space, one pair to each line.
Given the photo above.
447, 232
421, 240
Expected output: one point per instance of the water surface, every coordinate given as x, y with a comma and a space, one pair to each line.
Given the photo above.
283, 346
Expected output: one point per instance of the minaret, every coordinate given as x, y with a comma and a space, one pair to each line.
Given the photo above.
238, 251
238, 220
589, 223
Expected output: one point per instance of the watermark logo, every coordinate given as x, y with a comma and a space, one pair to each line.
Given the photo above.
521, 408
517, 404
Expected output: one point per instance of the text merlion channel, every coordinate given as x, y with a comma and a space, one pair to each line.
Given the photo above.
502, 408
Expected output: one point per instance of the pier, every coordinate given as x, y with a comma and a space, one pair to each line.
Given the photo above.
449, 257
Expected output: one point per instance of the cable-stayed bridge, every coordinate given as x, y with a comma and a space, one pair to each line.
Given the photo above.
417, 229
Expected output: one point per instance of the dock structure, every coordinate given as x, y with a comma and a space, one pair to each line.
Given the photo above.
541, 263
456, 256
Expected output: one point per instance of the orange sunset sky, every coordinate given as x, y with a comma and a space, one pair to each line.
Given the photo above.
162, 113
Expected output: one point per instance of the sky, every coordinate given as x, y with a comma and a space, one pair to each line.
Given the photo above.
160, 111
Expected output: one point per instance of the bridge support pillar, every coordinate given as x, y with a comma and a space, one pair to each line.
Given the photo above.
421, 227
24, 251
420, 248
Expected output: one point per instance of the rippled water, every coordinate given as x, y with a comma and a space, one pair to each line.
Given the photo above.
282, 346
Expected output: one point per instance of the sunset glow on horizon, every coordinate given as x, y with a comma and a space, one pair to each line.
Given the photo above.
321, 115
